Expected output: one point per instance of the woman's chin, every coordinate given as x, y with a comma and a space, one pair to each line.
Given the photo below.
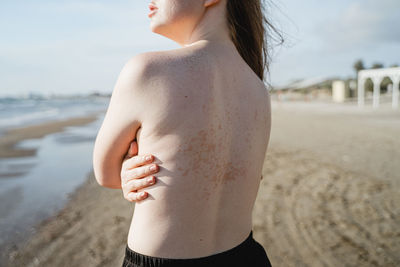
156, 28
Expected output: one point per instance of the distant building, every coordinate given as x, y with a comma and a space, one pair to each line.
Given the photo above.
339, 91
317, 89
377, 76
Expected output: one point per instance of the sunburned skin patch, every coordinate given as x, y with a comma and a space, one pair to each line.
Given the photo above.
233, 172
202, 150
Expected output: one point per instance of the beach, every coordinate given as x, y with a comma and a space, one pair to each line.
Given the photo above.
26, 194
329, 196
45, 154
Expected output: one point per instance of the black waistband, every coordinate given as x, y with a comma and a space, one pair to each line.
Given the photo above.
234, 254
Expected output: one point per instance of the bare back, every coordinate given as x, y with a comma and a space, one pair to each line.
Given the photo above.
209, 133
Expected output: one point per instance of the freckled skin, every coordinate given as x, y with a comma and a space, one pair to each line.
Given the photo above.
209, 139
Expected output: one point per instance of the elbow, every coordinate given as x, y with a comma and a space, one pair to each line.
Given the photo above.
105, 182
103, 177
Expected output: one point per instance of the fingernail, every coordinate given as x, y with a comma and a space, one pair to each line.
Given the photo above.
153, 168
142, 194
150, 180
148, 158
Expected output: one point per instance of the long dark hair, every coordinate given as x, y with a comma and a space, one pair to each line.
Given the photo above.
252, 33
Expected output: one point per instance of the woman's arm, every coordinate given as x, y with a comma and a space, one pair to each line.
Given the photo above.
122, 120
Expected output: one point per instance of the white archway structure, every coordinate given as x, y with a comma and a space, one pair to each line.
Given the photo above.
377, 76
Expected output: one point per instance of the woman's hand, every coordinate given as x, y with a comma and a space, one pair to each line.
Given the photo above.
136, 174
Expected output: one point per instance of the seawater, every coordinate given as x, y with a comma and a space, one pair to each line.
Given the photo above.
40, 185
19, 112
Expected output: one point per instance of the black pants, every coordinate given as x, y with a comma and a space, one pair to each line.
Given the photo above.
249, 253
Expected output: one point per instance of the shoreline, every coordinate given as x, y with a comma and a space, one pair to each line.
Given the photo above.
9, 150
12, 137
80, 234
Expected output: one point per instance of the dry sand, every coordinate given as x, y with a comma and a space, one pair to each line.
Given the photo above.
329, 197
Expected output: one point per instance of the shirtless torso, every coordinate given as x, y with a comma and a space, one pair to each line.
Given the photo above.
208, 128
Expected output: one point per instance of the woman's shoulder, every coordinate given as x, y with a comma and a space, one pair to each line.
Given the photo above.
160, 57
171, 63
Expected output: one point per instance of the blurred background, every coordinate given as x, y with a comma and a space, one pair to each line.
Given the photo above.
329, 196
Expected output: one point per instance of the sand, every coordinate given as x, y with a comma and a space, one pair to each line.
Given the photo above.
91, 230
11, 137
329, 197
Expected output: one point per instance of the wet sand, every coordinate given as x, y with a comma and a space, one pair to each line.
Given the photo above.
90, 231
329, 197
11, 137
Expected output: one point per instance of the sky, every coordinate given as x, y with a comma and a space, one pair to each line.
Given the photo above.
80, 46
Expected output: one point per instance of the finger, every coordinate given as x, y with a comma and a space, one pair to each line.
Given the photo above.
140, 172
133, 149
136, 161
134, 185
134, 197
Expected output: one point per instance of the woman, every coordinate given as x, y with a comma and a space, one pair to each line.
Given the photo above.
203, 112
